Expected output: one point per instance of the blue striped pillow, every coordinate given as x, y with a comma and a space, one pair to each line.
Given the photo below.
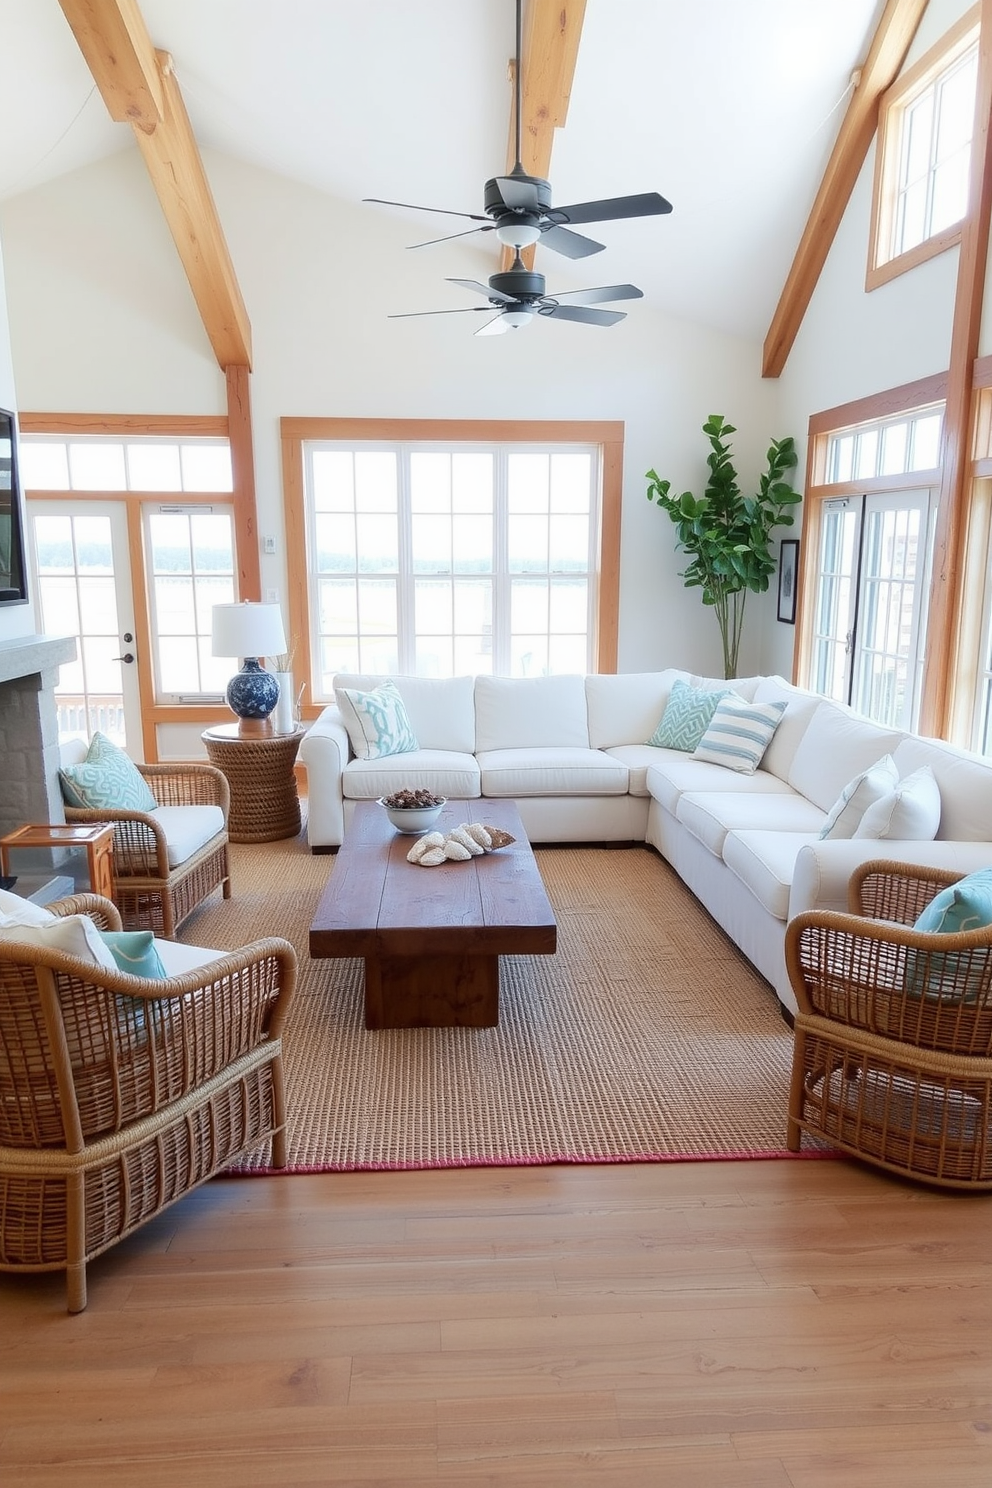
739, 733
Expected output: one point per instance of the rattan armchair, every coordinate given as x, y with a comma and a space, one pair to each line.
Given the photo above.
893, 1050
151, 894
118, 1095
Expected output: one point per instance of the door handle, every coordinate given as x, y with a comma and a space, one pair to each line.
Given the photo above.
128, 657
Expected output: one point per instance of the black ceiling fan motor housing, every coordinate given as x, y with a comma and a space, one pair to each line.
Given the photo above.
522, 284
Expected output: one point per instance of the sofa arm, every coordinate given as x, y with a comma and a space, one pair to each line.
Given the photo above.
324, 753
823, 869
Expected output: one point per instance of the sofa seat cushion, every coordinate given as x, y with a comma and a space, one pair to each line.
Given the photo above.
187, 829
552, 772
710, 815
638, 759
446, 772
673, 772
764, 861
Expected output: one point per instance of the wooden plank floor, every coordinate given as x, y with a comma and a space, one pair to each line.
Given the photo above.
710, 1325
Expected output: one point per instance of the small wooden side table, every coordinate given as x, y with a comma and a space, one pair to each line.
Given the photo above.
98, 840
265, 804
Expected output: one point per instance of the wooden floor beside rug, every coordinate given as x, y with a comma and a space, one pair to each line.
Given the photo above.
698, 1325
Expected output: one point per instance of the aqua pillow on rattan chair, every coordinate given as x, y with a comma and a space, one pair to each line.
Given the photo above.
962, 906
106, 779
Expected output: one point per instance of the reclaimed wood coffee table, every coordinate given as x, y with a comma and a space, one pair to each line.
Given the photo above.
432, 937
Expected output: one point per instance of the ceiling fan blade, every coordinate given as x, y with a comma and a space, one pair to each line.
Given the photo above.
495, 327
461, 310
649, 204
579, 312
572, 245
484, 289
597, 296
449, 237
519, 194
413, 207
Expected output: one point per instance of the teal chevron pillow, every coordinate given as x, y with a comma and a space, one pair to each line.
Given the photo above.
134, 951
739, 733
376, 721
965, 905
106, 778
687, 716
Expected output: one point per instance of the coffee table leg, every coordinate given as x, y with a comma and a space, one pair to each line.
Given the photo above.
443, 992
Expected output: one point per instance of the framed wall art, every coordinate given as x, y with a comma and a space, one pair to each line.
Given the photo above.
788, 579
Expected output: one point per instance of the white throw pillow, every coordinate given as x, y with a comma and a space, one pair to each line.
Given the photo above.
909, 813
15, 908
377, 721
739, 733
73, 935
844, 816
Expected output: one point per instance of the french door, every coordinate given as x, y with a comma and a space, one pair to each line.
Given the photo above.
870, 613
82, 571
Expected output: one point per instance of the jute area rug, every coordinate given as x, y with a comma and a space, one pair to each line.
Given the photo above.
646, 1038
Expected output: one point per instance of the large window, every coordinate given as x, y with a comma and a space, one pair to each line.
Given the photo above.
871, 528
924, 156
449, 556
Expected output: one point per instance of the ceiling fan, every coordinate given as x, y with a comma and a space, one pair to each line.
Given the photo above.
519, 294
519, 210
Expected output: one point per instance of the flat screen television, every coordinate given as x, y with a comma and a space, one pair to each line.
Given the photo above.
13, 569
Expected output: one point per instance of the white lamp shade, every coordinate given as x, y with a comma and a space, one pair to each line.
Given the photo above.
247, 630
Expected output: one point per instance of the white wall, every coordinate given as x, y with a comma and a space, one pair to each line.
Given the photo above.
102, 321
15, 620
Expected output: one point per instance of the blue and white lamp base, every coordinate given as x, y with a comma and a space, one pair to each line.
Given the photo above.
252, 694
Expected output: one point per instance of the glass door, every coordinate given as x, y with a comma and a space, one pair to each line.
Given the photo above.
81, 562
870, 612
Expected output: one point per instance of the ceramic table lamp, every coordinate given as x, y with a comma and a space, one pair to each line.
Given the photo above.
250, 631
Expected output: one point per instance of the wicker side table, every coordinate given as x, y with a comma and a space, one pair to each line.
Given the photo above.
265, 803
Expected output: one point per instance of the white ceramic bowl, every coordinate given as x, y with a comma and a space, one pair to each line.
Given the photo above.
412, 819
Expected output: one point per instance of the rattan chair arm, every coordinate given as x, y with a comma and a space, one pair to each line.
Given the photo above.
934, 991
140, 846
101, 911
188, 785
884, 889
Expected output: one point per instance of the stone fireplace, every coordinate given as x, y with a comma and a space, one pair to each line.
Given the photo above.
29, 741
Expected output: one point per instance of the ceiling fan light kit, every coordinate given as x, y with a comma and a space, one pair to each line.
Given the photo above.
521, 213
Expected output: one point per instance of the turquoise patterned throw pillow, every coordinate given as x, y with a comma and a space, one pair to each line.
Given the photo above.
687, 716
376, 721
106, 778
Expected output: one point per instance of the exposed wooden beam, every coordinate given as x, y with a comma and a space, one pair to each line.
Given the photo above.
112, 37
947, 597
886, 55
139, 86
549, 46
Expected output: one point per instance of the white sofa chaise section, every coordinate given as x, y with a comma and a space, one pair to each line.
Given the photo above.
571, 752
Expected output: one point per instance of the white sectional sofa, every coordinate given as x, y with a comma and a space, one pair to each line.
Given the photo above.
571, 751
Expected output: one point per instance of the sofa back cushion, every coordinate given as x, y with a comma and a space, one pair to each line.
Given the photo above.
965, 784
837, 745
530, 712
799, 709
441, 710
624, 707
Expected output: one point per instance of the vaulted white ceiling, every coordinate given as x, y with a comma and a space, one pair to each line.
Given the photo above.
727, 107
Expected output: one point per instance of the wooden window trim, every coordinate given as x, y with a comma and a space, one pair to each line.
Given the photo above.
608, 434
121, 426
892, 106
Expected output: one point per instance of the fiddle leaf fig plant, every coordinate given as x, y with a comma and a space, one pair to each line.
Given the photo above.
726, 533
